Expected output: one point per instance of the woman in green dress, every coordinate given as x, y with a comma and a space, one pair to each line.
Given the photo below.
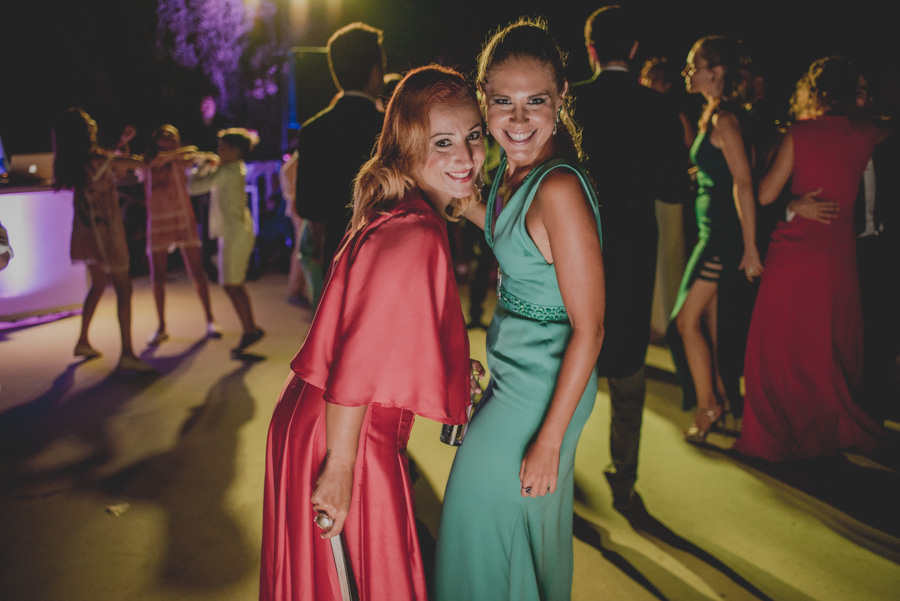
717, 68
506, 529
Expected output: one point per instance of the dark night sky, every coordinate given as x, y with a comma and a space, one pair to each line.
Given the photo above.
100, 53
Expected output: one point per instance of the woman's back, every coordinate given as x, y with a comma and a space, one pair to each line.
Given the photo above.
804, 352
831, 152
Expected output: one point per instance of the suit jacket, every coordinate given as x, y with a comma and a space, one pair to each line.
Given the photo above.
331, 147
634, 142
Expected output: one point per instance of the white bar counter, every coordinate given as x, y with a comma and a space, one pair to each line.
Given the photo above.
41, 277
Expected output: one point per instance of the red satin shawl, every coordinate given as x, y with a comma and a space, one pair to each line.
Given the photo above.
389, 328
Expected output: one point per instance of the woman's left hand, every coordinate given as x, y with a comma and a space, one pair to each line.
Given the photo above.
127, 136
332, 496
751, 265
539, 471
475, 377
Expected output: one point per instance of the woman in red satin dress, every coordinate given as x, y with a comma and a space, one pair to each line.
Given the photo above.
803, 364
388, 341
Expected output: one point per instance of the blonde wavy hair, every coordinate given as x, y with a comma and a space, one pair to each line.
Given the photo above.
387, 176
830, 85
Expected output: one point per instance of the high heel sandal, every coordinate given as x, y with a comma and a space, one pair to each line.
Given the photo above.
697, 435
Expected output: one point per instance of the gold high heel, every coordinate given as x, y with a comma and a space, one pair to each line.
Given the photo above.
697, 435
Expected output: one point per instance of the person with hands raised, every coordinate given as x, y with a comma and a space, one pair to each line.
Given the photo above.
171, 223
98, 232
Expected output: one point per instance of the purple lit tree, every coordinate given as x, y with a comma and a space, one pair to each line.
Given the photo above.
209, 35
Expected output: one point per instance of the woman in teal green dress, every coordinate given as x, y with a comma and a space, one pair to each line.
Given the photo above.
726, 218
506, 528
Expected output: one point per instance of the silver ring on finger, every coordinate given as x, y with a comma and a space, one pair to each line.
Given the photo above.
323, 520
527, 490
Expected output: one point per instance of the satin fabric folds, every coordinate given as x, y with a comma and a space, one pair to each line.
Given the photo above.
389, 333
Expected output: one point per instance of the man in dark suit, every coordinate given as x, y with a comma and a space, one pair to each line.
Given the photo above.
878, 253
635, 150
333, 145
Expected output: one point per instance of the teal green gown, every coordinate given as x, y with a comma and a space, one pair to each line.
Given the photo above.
494, 544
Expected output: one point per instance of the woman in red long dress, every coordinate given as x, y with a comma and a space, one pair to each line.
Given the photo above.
803, 364
388, 341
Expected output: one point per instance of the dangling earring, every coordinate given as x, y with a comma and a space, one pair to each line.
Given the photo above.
479, 180
556, 125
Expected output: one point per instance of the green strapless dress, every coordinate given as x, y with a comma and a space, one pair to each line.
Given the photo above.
494, 544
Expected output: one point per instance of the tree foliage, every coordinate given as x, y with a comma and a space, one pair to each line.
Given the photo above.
209, 35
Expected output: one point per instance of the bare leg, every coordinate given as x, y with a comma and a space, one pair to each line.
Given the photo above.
193, 261
122, 283
712, 321
128, 361
159, 264
697, 348
241, 301
98, 284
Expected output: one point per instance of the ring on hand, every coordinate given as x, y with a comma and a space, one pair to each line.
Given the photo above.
323, 520
751, 271
527, 489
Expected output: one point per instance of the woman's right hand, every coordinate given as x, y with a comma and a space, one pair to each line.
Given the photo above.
332, 495
751, 264
810, 207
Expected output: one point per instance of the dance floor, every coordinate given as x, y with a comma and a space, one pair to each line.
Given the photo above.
120, 488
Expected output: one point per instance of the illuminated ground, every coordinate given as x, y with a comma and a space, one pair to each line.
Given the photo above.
184, 451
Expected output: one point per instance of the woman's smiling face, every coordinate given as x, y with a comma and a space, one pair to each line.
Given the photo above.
522, 103
454, 154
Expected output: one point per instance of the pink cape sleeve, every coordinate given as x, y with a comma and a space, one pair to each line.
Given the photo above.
389, 328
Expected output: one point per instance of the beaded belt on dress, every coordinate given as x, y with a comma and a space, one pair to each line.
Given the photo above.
523, 308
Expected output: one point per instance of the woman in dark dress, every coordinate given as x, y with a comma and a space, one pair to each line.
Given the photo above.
717, 69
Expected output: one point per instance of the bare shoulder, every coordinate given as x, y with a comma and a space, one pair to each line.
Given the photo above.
725, 120
561, 188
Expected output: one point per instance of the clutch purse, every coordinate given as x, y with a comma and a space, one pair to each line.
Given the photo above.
453, 434
349, 591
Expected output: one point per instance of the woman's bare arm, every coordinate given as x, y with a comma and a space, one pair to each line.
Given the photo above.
334, 487
564, 220
779, 173
477, 214
727, 136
